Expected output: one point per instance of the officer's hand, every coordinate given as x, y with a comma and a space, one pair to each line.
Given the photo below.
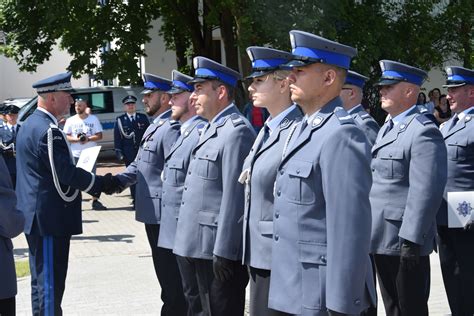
119, 155
409, 255
111, 184
469, 226
223, 268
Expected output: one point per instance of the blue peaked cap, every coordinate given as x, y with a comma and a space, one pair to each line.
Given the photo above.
265, 60
458, 76
207, 69
59, 82
356, 79
155, 83
180, 83
394, 72
308, 48
129, 99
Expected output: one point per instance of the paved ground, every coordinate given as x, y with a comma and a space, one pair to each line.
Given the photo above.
111, 271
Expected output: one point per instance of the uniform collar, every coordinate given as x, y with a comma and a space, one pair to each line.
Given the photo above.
217, 117
355, 109
163, 115
465, 112
130, 116
55, 121
186, 124
11, 126
273, 123
401, 117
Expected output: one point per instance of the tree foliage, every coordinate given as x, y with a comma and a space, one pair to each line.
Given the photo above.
421, 33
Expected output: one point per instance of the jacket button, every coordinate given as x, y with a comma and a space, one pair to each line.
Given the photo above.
182, 203
357, 302
373, 169
323, 259
279, 193
185, 188
277, 237
277, 214
166, 165
189, 172
282, 171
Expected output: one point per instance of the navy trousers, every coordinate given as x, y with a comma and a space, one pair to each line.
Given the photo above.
48, 265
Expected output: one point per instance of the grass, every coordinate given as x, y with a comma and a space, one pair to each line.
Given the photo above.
22, 268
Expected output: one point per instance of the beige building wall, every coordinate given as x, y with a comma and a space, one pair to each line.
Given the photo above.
15, 84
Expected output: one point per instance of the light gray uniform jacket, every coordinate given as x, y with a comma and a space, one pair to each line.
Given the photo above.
321, 231
174, 174
262, 164
11, 225
460, 146
409, 174
146, 169
210, 217
366, 123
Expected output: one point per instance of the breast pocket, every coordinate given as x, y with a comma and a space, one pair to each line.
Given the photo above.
299, 189
390, 163
207, 165
458, 150
149, 151
175, 172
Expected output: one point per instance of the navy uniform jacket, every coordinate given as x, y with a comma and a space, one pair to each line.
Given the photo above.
46, 213
262, 164
321, 230
366, 123
174, 174
460, 147
210, 217
128, 144
11, 224
7, 138
146, 169
409, 175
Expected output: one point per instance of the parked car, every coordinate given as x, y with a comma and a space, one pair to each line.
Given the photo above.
105, 103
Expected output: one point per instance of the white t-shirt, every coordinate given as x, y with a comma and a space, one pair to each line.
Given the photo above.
75, 125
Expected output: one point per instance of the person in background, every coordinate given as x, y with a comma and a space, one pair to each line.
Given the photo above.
83, 131
421, 99
11, 225
442, 112
256, 115
434, 100
8, 133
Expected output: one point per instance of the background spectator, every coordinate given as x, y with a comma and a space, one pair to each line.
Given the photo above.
442, 112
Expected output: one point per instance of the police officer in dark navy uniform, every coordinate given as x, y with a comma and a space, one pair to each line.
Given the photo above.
128, 132
8, 133
48, 192
351, 96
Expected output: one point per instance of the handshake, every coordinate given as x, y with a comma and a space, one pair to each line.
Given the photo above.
109, 184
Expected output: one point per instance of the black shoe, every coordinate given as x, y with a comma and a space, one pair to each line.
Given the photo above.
96, 205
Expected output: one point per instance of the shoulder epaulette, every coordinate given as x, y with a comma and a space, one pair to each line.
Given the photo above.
364, 115
236, 119
174, 122
426, 118
343, 117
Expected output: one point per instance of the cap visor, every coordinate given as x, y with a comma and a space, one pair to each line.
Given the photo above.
146, 91
175, 90
296, 63
256, 74
70, 90
196, 80
387, 82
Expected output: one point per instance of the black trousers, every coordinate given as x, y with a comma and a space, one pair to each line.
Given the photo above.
167, 271
217, 298
188, 272
404, 292
7, 306
48, 258
456, 255
259, 290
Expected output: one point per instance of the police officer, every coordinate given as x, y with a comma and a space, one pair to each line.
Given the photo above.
456, 244
174, 173
269, 90
321, 222
8, 134
351, 96
48, 185
128, 132
409, 174
145, 172
11, 225
209, 231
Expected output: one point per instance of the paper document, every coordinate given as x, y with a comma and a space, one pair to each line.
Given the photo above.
88, 157
460, 208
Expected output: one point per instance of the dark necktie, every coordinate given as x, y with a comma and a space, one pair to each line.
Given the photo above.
389, 127
266, 133
132, 118
304, 124
454, 122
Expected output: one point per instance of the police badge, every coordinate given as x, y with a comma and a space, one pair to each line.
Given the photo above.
464, 209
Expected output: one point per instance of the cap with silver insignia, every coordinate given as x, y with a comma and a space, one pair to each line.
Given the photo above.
59, 82
458, 76
356, 79
180, 83
394, 72
266, 60
129, 99
207, 69
308, 48
155, 83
